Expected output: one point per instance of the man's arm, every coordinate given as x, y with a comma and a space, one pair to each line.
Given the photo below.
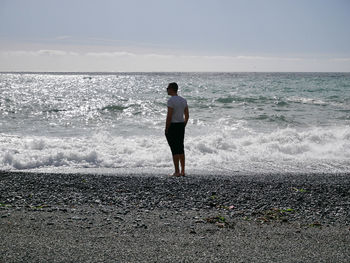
187, 115
168, 119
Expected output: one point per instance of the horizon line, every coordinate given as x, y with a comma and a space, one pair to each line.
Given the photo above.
155, 72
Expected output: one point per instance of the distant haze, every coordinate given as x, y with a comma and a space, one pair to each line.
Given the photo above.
181, 35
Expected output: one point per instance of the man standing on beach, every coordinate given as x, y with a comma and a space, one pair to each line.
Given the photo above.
176, 121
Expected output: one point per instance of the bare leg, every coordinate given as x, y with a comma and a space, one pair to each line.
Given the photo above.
182, 161
176, 160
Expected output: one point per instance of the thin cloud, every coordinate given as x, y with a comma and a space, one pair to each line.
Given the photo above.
50, 52
341, 59
124, 60
110, 54
42, 52
54, 52
159, 56
268, 58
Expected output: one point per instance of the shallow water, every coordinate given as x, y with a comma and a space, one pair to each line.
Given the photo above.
239, 122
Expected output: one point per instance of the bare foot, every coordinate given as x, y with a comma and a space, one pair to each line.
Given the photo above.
175, 174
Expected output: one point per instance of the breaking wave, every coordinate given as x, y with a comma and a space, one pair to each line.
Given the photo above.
307, 150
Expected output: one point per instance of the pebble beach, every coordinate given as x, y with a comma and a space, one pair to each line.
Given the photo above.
157, 218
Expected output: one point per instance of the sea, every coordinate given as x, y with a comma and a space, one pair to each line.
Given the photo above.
240, 123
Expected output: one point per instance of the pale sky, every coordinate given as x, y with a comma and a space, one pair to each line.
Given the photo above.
175, 35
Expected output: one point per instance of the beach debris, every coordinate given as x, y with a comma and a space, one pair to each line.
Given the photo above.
275, 214
220, 221
5, 215
38, 207
215, 219
230, 207
301, 190
5, 205
316, 224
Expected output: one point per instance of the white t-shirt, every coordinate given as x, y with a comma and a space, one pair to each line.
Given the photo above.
178, 104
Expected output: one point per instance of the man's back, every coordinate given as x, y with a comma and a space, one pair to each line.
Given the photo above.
178, 104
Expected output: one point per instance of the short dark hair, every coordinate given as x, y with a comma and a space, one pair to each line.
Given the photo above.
173, 86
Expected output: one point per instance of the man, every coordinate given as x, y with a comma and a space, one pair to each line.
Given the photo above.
176, 121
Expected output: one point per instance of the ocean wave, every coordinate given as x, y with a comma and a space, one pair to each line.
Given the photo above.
114, 108
231, 99
273, 100
273, 118
220, 150
304, 100
238, 121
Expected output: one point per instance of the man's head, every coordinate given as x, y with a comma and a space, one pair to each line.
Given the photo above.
172, 88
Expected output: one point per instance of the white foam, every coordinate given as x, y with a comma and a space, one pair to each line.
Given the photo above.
307, 100
308, 150
100, 150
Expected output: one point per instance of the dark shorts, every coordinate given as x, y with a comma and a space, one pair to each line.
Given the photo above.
175, 137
